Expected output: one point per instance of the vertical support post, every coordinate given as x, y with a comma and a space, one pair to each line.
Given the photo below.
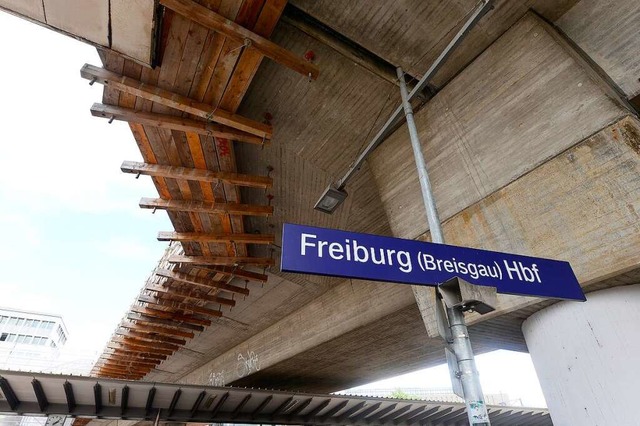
461, 344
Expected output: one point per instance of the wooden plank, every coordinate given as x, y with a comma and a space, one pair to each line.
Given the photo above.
114, 344
119, 359
216, 237
172, 122
205, 207
199, 175
150, 337
154, 321
134, 354
196, 295
153, 331
222, 261
240, 34
120, 368
180, 305
144, 342
236, 272
174, 100
148, 155
123, 369
250, 59
125, 366
141, 363
201, 282
157, 313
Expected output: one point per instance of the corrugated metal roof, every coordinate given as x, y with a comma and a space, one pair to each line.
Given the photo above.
43, 394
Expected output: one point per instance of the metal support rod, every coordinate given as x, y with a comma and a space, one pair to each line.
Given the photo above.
461, 345
425, 184
481, 9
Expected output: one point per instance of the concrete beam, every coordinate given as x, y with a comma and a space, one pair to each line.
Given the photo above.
579, 206
523, 101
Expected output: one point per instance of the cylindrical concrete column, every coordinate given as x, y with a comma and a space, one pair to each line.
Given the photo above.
587, 356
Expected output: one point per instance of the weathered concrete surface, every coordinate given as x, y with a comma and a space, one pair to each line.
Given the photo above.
132, 28
33, 9
608, 32
125, 26
586, 357
88, 19
582, 206
515, 113
521, 102
335, 112
412, 33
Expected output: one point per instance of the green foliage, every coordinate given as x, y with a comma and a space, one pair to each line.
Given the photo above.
400, 394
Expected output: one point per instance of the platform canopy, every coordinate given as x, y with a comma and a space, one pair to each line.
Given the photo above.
26, 393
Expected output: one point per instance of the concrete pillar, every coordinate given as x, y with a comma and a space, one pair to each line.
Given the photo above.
587, 356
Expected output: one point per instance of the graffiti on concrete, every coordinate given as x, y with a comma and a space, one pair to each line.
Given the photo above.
247, 364
217, 378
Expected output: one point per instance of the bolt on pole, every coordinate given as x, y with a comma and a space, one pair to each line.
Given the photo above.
461, 344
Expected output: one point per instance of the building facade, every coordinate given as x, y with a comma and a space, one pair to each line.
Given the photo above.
30, 340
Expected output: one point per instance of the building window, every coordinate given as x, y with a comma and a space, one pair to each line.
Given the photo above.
11, 338
13, 321
3, 337
36, 323
20, 338
4, 319
20, 322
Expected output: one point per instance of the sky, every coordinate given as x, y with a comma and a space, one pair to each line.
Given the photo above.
75, 242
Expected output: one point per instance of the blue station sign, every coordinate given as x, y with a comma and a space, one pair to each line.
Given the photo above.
322, 251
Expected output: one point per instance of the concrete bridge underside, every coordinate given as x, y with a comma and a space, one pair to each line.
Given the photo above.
533, 149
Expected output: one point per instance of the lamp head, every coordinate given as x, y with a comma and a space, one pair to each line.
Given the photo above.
330, 199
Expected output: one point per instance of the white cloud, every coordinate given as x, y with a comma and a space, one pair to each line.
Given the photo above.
120, 247
17, 296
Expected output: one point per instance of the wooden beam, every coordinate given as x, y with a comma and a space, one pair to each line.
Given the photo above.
174, 100
172, 122
196, 295
140, 363
142, 342
154, 321
179, 305
123, 358
199, 237
137, 348
121, 368
222, 260
220, 24
156, 313
198, 175
125, 370
201, 282
119, 375
153, 331
150, 337
134, 353
235, 272
205, 207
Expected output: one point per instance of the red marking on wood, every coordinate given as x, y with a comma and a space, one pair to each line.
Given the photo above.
223, 147
309, 55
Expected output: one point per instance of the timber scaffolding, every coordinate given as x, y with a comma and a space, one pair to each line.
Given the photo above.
182, 115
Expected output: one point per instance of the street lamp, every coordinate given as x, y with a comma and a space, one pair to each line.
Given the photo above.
330, 199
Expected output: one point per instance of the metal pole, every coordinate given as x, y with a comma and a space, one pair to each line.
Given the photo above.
479, 11
461, 345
